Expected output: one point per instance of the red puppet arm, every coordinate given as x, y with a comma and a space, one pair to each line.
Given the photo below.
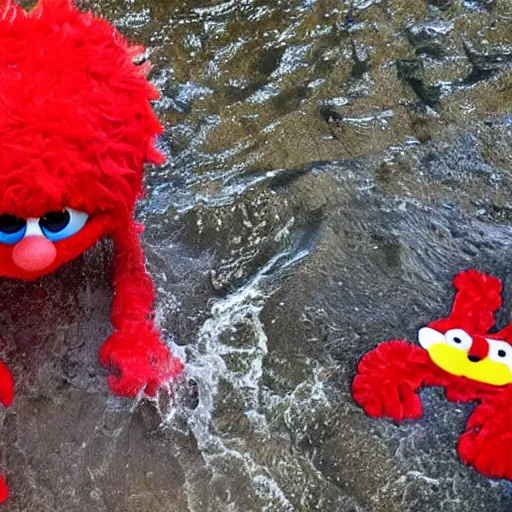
6, 386
389, 377
6, 398
135, 352
476, 300
487, 442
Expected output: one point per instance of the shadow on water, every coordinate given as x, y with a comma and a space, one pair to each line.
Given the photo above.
331, 166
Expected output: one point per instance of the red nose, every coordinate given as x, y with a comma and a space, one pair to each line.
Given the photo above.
479, 349
34, 253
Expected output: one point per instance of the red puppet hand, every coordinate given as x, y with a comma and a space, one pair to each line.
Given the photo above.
388, 379
4, 490
487, 442
140, 360
6, 386
135, 352
6, 398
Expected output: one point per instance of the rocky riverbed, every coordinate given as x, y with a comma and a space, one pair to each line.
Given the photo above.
331, 165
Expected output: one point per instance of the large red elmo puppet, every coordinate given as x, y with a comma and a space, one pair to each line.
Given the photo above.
459, 354
76, 128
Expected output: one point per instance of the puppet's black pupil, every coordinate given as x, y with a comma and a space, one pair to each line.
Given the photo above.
502, 353
55, 221
11, 224
457, 340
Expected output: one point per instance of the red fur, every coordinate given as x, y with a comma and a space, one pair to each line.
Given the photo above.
135, 350
76, 128
6, 386
476, 301
4, 490
389, 377
75, 118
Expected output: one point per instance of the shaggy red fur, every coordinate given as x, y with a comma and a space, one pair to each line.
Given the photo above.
76, 128
389, 377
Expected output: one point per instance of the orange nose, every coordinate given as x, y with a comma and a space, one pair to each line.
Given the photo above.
34, 253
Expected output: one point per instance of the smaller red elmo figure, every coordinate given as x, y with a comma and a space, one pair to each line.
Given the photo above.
76, 128
459, 354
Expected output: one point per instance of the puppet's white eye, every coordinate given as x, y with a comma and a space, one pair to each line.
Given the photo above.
500, 352
458, 338
428, 337
60, 225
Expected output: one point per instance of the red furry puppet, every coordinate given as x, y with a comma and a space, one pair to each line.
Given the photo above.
76, 128
459, 354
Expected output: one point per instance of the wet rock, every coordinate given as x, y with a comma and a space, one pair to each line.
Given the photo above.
427, 37
423, 32
361, 60
462, 161
442, 4
486, 64
412, 72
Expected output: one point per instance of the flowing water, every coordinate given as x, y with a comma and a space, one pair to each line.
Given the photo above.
331, 165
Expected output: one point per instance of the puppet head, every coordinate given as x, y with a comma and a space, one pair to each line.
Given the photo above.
460, 344
76, 128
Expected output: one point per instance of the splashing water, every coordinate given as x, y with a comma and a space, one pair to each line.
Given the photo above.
218, 359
